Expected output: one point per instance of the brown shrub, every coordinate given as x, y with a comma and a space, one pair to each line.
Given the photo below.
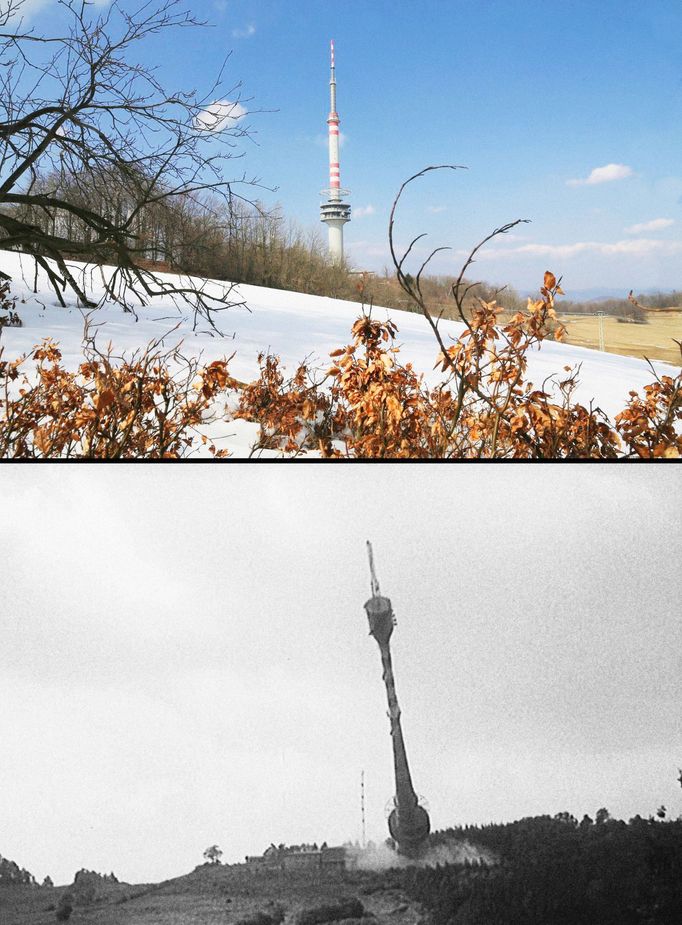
367, 404
147, 407
373, 406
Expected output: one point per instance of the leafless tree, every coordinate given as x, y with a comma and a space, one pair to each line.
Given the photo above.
459, 290
95, 146
461, 287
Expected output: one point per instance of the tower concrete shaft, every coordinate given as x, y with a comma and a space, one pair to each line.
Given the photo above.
408, 822
335, 213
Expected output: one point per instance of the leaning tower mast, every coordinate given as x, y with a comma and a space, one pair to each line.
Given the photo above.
335, 213
408, 822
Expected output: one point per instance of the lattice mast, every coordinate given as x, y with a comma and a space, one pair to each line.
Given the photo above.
408, 822
335, 213
362, 808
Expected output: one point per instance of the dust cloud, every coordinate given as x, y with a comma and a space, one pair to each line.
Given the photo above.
382, 857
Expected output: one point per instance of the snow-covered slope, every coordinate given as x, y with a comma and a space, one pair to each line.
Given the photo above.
292, 325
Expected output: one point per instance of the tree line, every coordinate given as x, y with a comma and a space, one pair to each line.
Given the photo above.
12, 874
633, 309
555, 870
204, 236
229, 239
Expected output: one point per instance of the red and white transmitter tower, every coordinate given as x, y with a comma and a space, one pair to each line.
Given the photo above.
334, 212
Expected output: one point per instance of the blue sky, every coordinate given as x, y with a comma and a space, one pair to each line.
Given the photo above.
529, 96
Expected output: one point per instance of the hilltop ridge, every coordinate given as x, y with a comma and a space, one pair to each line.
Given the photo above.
217, 893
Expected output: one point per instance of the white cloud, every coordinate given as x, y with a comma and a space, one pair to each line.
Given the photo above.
219, 116
362, 211
29, 8
244, 33
436, 209
656, 224
369, 250
635, 247
605, 174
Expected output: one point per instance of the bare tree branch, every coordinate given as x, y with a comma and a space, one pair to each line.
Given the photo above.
95, 153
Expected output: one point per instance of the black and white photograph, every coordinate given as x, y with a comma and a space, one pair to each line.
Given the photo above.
390, 695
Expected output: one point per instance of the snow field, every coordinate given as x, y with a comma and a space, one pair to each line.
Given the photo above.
293, 325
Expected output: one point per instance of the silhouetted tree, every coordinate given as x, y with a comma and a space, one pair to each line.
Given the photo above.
213, 854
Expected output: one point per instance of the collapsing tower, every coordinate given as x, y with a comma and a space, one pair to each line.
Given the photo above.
408, 822
334, 212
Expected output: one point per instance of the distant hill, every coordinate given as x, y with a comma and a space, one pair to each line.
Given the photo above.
217, 894
599, 293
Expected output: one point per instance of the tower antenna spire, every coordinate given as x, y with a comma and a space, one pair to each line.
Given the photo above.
335, 213
374, 581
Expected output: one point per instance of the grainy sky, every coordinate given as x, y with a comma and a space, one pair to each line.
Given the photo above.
185, 657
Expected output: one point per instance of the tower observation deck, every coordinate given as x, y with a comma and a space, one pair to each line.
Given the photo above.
335, 212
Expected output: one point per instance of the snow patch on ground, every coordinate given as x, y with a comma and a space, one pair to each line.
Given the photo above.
293, 325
